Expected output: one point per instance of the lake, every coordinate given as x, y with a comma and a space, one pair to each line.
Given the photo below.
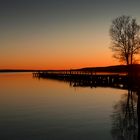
45, 109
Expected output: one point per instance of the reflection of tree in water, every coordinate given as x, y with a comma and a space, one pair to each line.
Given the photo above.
124, 118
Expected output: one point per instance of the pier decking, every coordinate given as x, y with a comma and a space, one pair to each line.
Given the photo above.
86, 78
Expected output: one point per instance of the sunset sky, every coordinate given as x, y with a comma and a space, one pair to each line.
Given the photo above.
59, 34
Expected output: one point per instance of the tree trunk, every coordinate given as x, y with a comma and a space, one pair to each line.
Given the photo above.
131, 61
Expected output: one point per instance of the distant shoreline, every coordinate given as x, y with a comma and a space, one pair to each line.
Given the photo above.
13, 70
117, 68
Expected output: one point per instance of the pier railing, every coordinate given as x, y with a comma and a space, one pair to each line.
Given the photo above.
87, 78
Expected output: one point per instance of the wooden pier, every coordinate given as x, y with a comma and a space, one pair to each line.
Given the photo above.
85, 78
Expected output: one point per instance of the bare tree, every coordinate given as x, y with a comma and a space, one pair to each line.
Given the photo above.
125, 35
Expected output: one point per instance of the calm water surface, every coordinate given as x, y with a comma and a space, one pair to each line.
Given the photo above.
33, 109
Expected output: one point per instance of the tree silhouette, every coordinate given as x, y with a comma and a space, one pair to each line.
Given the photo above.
125, 35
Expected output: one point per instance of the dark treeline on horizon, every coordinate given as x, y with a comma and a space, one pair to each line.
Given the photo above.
16, 70
117, 69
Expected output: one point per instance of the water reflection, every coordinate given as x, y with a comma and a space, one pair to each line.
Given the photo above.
125, 124
49, 109
138, 113
125, 118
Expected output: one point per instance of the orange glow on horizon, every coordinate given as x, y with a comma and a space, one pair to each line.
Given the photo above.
57, 52
60, 65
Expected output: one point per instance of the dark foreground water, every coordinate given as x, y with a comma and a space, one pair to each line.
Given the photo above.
33, 109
